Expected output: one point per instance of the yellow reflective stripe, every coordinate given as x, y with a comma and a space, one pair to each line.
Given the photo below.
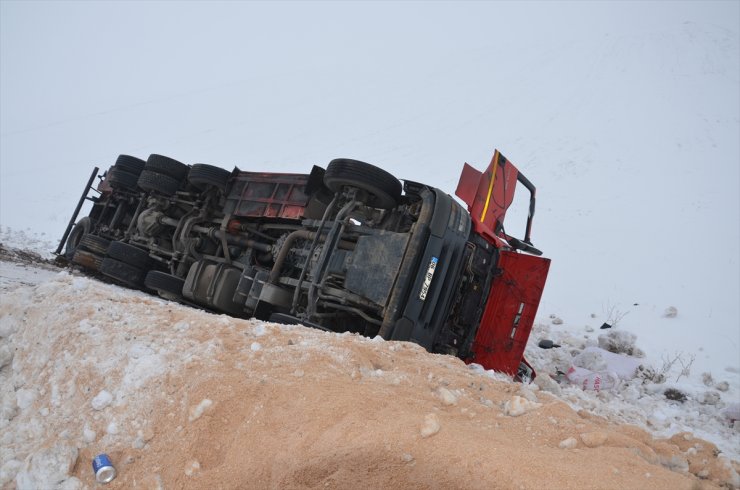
490, 186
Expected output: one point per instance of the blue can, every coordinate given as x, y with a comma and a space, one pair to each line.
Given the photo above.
103, 468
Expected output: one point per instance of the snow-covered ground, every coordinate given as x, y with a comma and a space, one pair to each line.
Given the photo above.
106, 337
624, 115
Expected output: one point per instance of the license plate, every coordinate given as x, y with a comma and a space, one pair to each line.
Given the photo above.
428, 278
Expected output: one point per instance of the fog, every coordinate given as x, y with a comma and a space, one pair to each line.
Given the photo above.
625, 115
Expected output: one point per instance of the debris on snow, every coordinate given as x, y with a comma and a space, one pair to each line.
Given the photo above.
670, 312
722, 386
620, 342
676, 395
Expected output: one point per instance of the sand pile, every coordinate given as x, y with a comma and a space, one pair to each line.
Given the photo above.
181, 398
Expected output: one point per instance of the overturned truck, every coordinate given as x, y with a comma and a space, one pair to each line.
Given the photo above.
346, 248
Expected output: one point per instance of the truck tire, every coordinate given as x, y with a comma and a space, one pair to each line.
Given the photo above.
167, 166
121, 179
81, 228
383, 188
155, 182
130, 164
95, 244
164, 283
129, 254
122, 272
202, 176
87, 259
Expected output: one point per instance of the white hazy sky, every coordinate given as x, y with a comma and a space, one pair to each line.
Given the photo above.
626, 116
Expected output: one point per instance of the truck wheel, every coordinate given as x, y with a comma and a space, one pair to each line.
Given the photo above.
154, 182
129, 254
202, 176
95, 244
130, 164
80, 229
121, 179
122, 272
167, 166
87, 260
384, 189
164, 283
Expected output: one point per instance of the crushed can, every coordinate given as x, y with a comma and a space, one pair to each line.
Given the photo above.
103, 468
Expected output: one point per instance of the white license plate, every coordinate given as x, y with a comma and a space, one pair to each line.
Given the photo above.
428, 278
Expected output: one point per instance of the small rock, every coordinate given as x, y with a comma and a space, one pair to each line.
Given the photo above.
89, 435
568, 443
594, 439
707, 379
192, 467
431, 425
676, 463
298, 373
711, 398
102, 400
557, 321
722, 386
407, 458
448, 398
519, 406
589, 328
197, 411
6, 355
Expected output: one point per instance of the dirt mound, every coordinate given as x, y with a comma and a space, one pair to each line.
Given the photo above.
181, 398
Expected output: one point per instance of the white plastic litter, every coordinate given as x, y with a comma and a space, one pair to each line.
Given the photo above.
590, 380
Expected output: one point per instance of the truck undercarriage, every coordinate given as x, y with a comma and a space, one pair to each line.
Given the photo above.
346, 248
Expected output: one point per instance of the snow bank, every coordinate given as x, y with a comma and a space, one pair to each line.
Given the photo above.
662, 396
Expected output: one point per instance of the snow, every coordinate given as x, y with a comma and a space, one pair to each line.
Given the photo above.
625, 116
638, 397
